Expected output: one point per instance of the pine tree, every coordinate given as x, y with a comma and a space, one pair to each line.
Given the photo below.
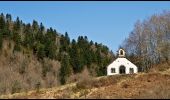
50, 46
4, 26
72, 53
91, 43
98, 56
8, 17
2, 22
40, 35
35, 29
65, 70
28, 40
40, 51
79, 63
16, 34
35, 26
7, 32
67, 38
17, 25
65, 42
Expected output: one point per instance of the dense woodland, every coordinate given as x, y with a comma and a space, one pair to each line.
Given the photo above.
41, 56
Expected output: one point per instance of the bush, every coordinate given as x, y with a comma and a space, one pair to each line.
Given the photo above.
157, 92
3, 88
16, 87
37, 86
22, 68
125, 85
17, 47
1, 41
46, 67
85, 81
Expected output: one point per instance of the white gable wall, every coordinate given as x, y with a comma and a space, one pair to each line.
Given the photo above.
121, 61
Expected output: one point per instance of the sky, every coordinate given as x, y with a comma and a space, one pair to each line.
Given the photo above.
106, 22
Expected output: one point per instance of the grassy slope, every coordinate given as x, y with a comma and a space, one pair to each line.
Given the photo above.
155, 84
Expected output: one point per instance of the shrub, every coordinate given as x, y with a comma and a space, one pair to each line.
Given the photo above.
37, 86
85, 81
1, 41
22, 68
16, 87
125, 85
17, 47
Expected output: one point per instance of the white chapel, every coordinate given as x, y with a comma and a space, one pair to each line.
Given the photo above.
121, 65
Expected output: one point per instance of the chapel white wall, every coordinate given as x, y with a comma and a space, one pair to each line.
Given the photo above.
122, 61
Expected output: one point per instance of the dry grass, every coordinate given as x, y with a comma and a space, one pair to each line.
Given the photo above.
151, 85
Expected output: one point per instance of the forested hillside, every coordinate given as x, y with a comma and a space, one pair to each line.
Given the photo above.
33, 56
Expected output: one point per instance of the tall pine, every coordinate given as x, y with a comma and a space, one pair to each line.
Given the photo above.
65, 70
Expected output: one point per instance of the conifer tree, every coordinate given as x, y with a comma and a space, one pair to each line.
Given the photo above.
16, 34
2, 22
28, 40
65, 70
40, 51
8, 17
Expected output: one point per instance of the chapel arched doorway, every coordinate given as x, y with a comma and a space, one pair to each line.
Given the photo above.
122, 69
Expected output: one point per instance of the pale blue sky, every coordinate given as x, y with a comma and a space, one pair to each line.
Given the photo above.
106, 22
